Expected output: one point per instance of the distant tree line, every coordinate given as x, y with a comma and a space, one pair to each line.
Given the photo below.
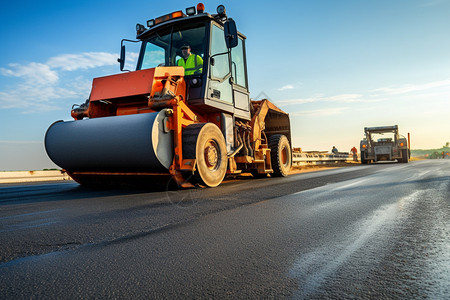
443, 152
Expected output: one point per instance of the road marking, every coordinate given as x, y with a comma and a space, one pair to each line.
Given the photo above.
350, 184
313, 269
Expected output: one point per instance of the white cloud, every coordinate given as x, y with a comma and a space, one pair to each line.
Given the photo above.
296, 101
42, 84
320, 112
31, 99
131, 60
35, 73
72, 62
408, 88
344, 98
428, 90
286, 87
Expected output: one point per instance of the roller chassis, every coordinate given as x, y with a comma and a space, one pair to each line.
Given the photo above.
200, 156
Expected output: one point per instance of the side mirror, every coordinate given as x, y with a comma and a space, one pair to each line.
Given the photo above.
230, 31
121, 60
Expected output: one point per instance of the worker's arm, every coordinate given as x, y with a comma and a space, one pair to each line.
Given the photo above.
199, 64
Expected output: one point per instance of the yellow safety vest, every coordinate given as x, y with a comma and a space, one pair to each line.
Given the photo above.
193, 65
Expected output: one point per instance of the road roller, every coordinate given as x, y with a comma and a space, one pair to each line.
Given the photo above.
184, 114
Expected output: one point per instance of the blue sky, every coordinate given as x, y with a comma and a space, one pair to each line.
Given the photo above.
334, 66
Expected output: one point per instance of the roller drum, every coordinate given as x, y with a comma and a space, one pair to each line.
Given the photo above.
128, 142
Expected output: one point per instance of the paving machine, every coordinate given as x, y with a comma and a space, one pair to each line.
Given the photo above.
390, 148
194, 124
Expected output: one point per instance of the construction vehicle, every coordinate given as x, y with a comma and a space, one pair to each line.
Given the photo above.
394, 147
157, 121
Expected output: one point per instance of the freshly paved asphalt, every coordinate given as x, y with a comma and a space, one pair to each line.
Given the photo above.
366, 232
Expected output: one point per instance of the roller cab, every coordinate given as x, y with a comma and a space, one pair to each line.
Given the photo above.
184, 113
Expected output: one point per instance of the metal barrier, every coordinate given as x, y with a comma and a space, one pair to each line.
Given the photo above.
32, 176
319, 157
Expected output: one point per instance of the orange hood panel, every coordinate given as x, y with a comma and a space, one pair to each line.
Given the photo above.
122, 85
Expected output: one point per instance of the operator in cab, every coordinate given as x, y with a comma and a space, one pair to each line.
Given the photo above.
192, 63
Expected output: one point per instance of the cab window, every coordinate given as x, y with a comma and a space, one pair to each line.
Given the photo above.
163, 48
195, 38
219, 86
153, 56
238, 66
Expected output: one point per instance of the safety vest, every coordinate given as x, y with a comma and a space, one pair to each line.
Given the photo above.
193, 65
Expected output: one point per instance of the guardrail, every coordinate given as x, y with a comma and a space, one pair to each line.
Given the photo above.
319, 157
32, 176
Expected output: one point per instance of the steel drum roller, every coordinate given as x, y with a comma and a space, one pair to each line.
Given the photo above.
137, 141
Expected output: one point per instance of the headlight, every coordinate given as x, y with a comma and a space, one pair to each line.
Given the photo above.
190, 11
221, 10
140, 28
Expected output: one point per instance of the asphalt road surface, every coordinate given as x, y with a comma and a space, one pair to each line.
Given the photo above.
364, 232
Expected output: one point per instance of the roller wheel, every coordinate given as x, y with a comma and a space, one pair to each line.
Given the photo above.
280, 154
405, 156
205, 143
363, 158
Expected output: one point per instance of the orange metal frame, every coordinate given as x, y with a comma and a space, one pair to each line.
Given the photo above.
182, 117
147, 91
168, 91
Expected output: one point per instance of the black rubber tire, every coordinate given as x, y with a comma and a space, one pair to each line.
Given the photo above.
363, 158
280, 154
206, 143
405, 156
